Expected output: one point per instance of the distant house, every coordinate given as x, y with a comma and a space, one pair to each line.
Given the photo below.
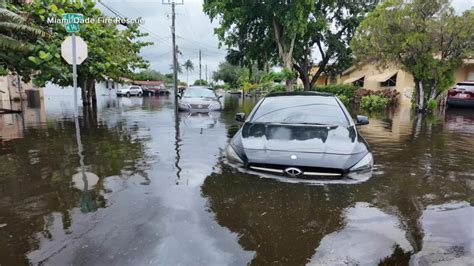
368, 76
322, 80
149, 83
10, 91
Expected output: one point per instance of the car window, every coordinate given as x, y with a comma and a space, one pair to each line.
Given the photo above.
464, 84
198, 93
300, 110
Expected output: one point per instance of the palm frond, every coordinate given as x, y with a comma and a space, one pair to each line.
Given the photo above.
9, 43
21, 27
7, 15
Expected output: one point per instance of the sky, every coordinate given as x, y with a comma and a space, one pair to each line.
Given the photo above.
194, 32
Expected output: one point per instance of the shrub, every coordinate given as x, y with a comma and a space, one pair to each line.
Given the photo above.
278, 88
432, 104
374, 103
344, 99
338, 89
391, 95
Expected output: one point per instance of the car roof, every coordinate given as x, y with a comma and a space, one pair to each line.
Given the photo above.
300, 93
198, 87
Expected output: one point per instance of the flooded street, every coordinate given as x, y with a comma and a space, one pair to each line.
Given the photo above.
150, 191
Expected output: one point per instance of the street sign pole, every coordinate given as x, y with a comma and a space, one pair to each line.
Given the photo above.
74, 74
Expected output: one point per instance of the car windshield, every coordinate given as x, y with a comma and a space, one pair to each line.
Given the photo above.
198, 93
318, 110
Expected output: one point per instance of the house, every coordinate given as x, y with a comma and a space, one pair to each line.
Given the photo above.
322, 80
368, 76
149, 83
10, 92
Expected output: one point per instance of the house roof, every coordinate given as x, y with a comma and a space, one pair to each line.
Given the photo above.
148, 82
350, 80
383, 77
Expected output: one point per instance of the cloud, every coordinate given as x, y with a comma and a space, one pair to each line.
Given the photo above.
194, 32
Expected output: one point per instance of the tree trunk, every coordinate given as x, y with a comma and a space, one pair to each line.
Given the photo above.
420, 96
284, 50
83, 91
93, 92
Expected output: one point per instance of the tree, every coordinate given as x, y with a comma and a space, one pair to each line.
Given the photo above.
189, 66
228, 73
425, 37
12, 29
330, 29
200, 82
16, 40
179, 69
113, 53
262, 31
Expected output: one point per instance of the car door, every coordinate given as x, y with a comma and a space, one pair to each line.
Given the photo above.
134, 90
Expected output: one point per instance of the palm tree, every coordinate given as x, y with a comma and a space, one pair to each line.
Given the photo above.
179, 69
10, 24
189, 66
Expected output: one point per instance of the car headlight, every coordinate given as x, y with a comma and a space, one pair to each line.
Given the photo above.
184, 105
232, 156
365, 163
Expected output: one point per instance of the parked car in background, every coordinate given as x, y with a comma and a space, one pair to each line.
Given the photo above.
131, 90
199, 99
302, 135
155, 91
461, 95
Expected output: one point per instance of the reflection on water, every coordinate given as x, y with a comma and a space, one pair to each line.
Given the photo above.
368, 237
156, 191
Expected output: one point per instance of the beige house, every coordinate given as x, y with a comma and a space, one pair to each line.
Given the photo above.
10, 91
368, 76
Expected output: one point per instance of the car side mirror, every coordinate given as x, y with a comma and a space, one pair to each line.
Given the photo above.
240, 117
362, 120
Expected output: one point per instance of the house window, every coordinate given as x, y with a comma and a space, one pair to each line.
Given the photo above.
359, 82
113, 85
391, 82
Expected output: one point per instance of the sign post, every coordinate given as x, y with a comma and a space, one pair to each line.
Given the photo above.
69, 49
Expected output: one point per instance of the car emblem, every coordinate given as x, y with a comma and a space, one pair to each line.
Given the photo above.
293, 157
293, 171
200, 106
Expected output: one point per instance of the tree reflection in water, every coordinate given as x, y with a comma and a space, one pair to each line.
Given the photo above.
36, 171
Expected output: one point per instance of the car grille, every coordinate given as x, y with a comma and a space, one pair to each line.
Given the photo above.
199, 106
307, 172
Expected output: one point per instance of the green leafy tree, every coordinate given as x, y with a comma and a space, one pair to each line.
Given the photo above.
149, 75
200, 82
189, 66
229, 74
425, 37
13, 28
17, 37
261, 31
331, 27
113, 53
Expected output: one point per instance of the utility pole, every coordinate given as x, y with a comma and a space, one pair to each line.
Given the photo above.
206, 73
200, 77
175, 61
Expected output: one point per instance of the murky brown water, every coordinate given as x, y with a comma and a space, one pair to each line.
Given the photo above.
164, 196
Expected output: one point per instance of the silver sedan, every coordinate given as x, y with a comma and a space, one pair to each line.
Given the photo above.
199, 99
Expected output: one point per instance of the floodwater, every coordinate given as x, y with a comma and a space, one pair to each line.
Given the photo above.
145, 190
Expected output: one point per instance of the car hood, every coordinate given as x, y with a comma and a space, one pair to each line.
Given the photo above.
335, 147
302, 138
198, 100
